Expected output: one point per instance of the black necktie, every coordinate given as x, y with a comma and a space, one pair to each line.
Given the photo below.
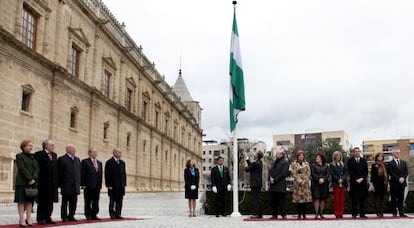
398, 162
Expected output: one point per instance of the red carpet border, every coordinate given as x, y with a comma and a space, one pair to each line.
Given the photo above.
325, 219
83, 221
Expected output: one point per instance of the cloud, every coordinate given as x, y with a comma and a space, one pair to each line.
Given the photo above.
330, 65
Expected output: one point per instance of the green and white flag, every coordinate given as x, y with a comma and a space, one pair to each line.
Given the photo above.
237, 100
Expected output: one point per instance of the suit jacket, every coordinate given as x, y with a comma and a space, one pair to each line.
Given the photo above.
48, 176
190, 179
338, 172
90, 178
218, 181
395, 172
255, 169
69, 175
279, 171
356, 171
115, 177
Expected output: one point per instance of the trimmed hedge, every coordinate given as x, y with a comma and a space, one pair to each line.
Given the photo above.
245, 207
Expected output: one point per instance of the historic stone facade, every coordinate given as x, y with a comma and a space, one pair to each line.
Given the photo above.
69, 72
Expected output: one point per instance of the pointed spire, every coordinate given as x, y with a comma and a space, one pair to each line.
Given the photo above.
181, 89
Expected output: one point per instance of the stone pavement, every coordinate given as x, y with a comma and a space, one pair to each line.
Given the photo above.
170, 210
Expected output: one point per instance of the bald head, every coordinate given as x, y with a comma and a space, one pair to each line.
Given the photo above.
71, 149
117, 152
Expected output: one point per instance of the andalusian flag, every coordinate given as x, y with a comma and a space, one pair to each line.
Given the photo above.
237, 101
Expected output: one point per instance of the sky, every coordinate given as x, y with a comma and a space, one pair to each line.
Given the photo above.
309, 66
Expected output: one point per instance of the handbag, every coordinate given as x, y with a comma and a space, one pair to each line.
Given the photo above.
30, 192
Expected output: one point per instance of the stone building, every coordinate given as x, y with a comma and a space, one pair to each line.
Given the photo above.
70, 72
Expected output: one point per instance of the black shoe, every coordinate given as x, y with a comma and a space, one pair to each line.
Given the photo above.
217, 215
41, 222
256, 217
95, 218
273, 217
224, 215
65, 220
341, 216
88, 218
283, 216
363, 216
119, 217
394, 214
321, 215
354, 216
403, 215
50, 222
113, 217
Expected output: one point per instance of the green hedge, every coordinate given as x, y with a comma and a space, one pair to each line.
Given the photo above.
245, 207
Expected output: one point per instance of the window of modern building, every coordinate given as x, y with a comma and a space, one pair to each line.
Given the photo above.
209, 168
283, 143
29, 27
73, 117
107, 83
334, 140
74, 60
204, 152
209, 160
216, 153
209, 152
204, 168
144, 143
27, 94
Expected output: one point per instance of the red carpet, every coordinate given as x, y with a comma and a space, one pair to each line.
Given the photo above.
83, 221
310, 218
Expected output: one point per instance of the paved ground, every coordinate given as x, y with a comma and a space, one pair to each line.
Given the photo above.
170, 210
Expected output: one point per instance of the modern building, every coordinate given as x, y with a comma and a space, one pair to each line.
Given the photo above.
317, 139
212, 149
406, 146
71, 73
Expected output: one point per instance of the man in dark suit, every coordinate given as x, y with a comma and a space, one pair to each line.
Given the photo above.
255, 169
91, 182
398, 172
277, 188
115, 181
220, 184
69, 168
47, 182
358, 173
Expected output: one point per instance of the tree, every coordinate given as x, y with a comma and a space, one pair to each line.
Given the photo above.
330, 147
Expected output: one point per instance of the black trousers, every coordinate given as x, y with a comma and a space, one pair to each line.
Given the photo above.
256, 201
91, 197
220, 202
355, 200
277, 203
115, 206
397, 199
44, 208
301, 208
68, 201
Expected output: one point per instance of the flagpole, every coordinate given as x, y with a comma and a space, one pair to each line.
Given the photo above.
236, 212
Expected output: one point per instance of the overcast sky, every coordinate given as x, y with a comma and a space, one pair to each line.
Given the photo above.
317, 65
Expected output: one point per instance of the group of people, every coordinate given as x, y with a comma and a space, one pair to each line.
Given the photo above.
311, 183
47, 172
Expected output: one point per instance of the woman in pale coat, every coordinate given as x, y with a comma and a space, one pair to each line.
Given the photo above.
301, 188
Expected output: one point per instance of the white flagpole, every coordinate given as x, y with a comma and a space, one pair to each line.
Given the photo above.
236, 212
